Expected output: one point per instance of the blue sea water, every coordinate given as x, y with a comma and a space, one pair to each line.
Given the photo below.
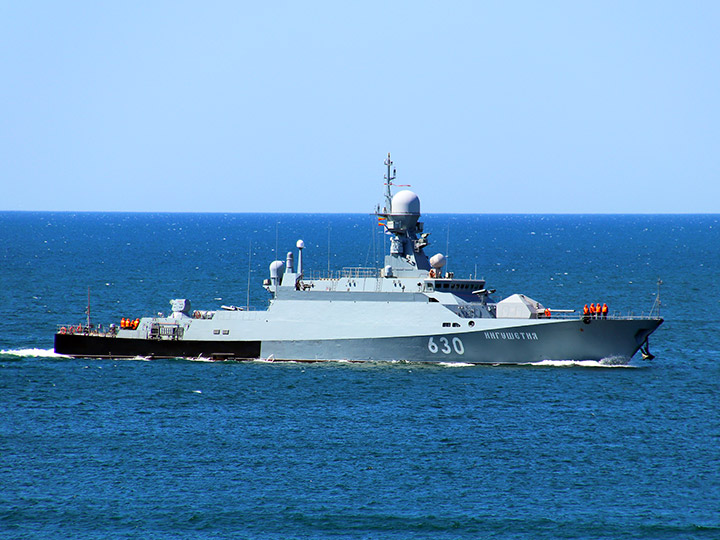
185, 449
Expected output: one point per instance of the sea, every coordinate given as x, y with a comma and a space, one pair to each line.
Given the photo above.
182, 448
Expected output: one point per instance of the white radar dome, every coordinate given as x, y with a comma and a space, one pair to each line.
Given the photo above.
405, 202
438, 260
300, 244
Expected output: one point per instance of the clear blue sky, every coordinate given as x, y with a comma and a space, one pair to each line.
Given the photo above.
229, 106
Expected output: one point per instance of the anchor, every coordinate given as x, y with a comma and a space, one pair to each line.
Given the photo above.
645, 351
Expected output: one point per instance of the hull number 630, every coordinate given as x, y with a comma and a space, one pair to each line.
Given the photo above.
443, 345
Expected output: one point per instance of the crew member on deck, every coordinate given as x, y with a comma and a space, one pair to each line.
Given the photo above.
604, 311
592, 310
586, 310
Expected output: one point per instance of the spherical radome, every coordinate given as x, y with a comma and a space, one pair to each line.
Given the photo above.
405, 202
438, 260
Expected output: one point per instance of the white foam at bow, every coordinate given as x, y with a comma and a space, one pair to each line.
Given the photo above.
604, 363
34, 353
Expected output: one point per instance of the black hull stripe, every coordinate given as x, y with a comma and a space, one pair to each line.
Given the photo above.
114, 347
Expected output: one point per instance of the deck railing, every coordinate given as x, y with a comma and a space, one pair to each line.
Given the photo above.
349, 272
615, 315
84, 329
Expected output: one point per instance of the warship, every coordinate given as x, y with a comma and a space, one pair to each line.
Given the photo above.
411, 309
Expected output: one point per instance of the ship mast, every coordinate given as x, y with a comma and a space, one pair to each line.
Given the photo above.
389, 178
87, 311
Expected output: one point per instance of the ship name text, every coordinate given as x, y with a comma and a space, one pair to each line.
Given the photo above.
532, 336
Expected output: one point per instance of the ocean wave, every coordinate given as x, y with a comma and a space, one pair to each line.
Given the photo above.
456, 364
32, 353
612, 362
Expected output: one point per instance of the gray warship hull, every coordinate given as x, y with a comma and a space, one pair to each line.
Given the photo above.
488, 341
610, 340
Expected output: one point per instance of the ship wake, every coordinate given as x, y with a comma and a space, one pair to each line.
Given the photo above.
31, 353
